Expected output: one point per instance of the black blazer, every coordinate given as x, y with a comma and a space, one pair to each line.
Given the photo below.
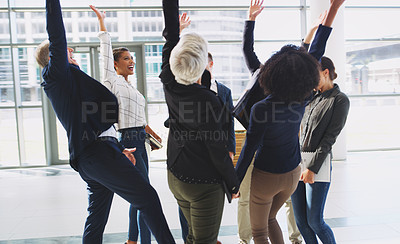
196, 150
84, 106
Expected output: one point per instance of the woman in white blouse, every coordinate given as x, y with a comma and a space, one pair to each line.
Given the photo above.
118, 64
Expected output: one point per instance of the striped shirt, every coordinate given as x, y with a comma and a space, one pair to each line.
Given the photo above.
131, 101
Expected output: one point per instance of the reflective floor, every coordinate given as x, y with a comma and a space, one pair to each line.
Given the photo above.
48, 205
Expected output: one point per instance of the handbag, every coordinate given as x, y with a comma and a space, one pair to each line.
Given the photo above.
251, 95
324, 173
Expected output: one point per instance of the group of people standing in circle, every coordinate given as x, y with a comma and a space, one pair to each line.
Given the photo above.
303, 110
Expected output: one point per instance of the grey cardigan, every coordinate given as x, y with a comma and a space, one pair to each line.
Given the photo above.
324, 118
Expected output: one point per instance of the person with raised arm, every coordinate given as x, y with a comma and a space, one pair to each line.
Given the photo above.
198, 163
88, 110
287, 79
323, 120
118, 65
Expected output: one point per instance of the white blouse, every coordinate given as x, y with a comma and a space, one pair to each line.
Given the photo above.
131, 102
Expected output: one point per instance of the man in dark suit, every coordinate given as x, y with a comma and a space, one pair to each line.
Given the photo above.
226, 97
87, 110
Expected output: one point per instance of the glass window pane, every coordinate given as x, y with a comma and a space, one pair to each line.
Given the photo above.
372, 67
6, 78
62, 139
155, 90
375, 23
229, 67
277, 25
31, 27
4, 27
372, 132
29, 75
120, 3
32, 135
217, 25
373, 3
8, 139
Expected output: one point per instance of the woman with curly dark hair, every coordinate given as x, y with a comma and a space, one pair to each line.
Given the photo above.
288, 79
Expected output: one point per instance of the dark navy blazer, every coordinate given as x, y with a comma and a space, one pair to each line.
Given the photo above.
226, 96
84, 106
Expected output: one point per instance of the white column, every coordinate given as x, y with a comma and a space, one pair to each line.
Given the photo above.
336, 51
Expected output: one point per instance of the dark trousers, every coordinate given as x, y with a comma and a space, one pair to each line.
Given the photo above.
202, 205
135, 138
106, 170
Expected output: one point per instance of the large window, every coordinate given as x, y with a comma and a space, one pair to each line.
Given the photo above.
372, 63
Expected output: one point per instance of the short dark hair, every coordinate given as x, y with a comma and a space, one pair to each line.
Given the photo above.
290, 74
326, 63
210, 57
118, 51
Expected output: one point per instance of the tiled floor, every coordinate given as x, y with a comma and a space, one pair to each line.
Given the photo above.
48, 205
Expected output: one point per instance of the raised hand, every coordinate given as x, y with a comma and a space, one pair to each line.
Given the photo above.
333, 9
184, 22
320, 20
313, 29
101, 15
255, 9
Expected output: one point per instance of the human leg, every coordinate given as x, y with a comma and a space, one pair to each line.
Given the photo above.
202, 205
316, 198
184, 225
287, 184
135, 138
299, 203
184, 205
244, 226
100, 199
260, 205
293, 231
109, 167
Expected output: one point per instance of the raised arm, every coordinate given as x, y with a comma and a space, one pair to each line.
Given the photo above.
100, 16
105, 50
171, 30
171, 35
252, 61
58, 43
317, 48
308, 38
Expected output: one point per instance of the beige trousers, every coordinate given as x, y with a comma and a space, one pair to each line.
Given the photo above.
244, 227
293, 231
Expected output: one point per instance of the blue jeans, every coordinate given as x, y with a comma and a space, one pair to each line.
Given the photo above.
107, 171
308, 204
130, 138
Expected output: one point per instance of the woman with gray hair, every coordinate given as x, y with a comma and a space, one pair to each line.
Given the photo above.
198, 162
